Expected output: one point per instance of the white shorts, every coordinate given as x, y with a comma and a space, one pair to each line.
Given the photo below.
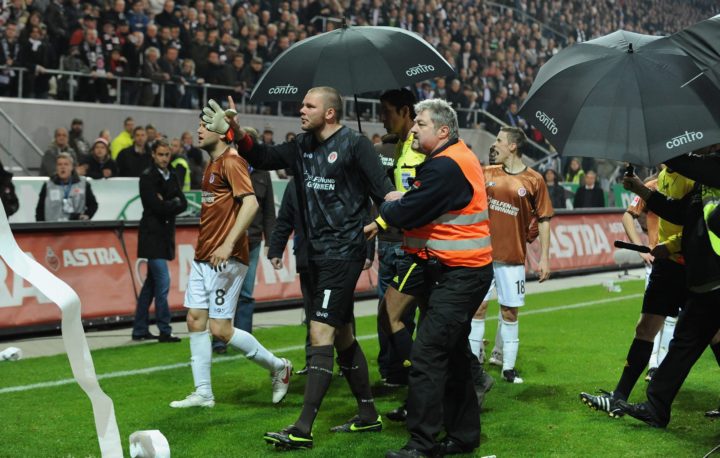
509, 282
216, 292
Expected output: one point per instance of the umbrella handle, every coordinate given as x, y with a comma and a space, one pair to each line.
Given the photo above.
629, 170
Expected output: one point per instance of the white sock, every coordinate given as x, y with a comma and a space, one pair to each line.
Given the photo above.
477, 332
509, 331
667, 335
654, 359
248, 344
498, 348
200, 362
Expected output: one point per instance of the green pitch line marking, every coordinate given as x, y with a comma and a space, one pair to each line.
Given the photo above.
225, 359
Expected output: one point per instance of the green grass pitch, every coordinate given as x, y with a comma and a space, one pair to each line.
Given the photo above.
571, 341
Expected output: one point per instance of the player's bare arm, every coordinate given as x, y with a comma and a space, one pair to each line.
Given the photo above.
544, 229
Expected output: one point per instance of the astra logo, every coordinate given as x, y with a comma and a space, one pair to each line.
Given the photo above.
289, 89
420, 68
684, 139
547, 121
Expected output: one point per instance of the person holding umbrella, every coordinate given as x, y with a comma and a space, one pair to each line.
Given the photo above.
336, 171
700, 318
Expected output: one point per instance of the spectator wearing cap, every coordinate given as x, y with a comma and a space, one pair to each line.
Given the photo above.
65, 196
100, 164
267, 136
76, 138
59, 145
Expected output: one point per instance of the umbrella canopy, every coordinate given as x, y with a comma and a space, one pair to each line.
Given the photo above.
353, 60
624, 96
702, 43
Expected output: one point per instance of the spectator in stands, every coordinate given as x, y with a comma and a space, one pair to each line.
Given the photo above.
89, 22
59, 145
117, 13
150, 95
65, 196
81, 168
217, 73
575, 174
100, 164
94, 88
170, 65
124, 138
167, 18
196, 159
190, 92
77, 140
105, 133
9, 199
57, 26
589, 194
555, 190
137, 18
36, 55
9, 55
132, 50
199, 51
135, 158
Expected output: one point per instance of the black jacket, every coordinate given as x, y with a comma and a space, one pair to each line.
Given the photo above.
156, 237
264, 221
702, 264
288, 221
588, 198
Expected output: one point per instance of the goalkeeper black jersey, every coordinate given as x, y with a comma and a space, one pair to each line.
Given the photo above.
338, 176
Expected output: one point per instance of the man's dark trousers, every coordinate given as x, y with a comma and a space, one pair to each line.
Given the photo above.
441, 389
697, 324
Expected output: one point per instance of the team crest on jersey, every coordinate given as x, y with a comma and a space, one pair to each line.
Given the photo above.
212, 178
332, 157
522, 192
416, 184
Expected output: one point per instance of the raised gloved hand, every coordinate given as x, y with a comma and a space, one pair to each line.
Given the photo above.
214, 117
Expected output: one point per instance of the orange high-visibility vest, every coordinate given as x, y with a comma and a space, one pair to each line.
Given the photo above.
459, 237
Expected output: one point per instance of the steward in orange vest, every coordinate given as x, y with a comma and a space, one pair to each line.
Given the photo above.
445, 219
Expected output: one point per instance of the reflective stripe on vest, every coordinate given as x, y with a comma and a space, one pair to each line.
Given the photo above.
459, 237
711, 199
448, 245
462, 220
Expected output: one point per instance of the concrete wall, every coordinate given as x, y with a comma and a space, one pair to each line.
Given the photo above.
39, 118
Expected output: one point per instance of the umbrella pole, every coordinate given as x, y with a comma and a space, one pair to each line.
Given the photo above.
357, 113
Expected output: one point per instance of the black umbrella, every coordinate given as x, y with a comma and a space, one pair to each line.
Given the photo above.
625, 96
353, 60
702, 42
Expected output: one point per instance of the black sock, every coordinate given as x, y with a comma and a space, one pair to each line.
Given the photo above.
320, 370
402, 344
355, 370
716, 351
637, 358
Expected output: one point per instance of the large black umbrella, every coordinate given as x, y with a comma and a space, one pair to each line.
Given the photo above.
353, 60
624, 96
702, 43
